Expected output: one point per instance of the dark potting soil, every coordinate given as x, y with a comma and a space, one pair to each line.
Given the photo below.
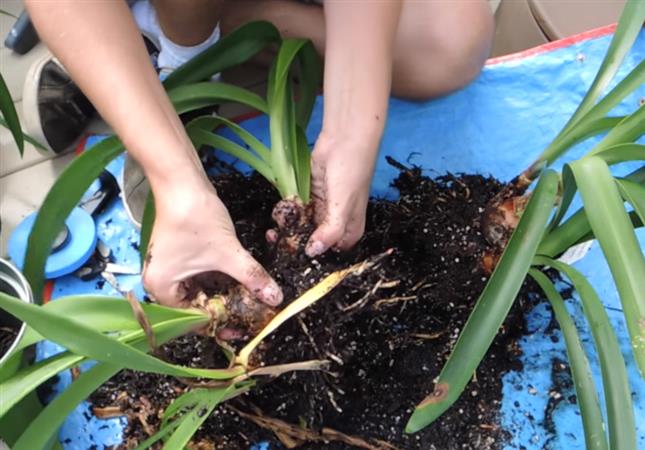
7, 336
386, 333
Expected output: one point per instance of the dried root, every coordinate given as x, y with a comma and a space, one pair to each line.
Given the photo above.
293, 436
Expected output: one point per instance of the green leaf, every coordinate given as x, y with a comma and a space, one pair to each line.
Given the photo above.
147, 223
14, 423
25, 136
199, 95
627, 85
618, 399
621, 153
586, 394
309, 82
628, 130
21, 383
191, 422
46, 424
576, 229
492, 307
283, 119
209, 123
634, 194
201, 137
584, 130
566, 197
303, 174
611, 226
629, 25
8, 110
64, 195
231, 50
104, 314
25, 381
84, 340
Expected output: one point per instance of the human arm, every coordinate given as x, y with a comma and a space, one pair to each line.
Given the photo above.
101, 47
357, 80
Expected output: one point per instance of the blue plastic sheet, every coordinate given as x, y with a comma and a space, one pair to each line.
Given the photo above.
495, 126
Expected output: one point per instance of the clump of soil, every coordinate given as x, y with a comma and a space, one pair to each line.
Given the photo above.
386, 334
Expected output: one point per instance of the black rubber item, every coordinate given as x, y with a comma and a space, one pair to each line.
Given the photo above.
23, 36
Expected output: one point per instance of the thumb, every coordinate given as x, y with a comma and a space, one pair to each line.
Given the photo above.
327, 235
164, 289
247, 271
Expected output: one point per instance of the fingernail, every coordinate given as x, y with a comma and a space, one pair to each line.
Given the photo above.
314, 248
271, 295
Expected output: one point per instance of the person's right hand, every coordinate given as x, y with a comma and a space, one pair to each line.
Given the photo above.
193, 234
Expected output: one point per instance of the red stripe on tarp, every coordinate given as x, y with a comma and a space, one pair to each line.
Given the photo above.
81, 145
550, 46
48, 290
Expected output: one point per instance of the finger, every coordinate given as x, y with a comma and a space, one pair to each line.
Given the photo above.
353, 234
246, 270
327, 235
161, 288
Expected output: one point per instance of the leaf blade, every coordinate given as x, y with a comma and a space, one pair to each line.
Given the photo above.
585, 387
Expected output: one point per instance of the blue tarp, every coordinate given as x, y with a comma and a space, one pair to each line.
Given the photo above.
495, 126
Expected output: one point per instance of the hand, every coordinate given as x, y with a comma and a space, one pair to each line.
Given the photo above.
194, 234
341, 175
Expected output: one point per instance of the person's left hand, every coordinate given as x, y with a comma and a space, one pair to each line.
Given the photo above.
341, 172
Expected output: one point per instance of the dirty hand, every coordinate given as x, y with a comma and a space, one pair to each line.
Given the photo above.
341, 173
194, 234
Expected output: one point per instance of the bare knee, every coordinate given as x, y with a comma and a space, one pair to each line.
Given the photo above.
443, 56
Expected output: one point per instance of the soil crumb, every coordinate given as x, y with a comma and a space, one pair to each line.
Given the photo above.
386, 334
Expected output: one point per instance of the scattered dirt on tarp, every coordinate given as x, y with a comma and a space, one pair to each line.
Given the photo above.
386, 334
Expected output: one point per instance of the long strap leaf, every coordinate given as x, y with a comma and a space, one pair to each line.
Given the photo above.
83, 340
147, 223
576, 228
629, 25
231, 50
191, 422
200, 95
47, 423
628, 130
21, 383
209, 123
105, 314
492, 307
613, 229
10, 115
587, 396
634, 194
64, 195
618, 399
201, 137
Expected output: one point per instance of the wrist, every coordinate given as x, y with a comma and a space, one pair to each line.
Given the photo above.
361, 138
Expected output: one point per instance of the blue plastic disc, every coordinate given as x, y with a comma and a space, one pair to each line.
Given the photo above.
72, 254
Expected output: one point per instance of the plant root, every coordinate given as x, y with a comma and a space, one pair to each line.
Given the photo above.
293, 436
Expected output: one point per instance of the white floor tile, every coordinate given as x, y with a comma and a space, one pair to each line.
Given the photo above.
21, 193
